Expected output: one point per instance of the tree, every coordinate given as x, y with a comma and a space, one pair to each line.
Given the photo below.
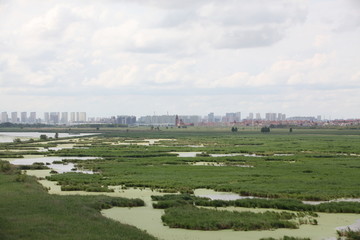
56, 135
17, 140
265, 129
234, 129
290, 130
43, 137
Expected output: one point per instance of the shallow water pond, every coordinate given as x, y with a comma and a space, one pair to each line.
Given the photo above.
218, 164
49, 162
215, 195
149, 219
10, 136
193, 154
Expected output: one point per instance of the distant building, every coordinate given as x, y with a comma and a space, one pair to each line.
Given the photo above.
270, 116
211, 117
187, 119
54, 117
177, 121
238, 116
128, 120
14, 117
258, 116
167, 120
299, 118
82, 117
4, 117
64, 118
72, 117
230, 118
32, 117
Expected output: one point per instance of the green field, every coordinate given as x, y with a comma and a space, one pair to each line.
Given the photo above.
291, 165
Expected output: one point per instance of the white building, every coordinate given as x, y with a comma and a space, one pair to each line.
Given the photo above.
4, 117
72, 117
82, 117
64, 118
14, 117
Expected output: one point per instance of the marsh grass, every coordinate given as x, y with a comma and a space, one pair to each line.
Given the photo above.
27, 211
173, 200
308, 159
190, 217
348, 234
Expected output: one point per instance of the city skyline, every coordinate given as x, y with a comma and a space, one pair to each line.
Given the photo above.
54, 117
181, 57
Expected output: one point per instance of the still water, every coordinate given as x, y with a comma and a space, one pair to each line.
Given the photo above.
10, 136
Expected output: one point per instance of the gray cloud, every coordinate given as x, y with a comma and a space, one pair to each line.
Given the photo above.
250, 38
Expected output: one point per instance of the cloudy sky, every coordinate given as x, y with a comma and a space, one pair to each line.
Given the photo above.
140, 57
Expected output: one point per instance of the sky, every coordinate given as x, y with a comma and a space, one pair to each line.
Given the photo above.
146, 57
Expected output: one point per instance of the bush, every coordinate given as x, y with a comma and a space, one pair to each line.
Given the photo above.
190, 217
5, 166
43, 137
349, 234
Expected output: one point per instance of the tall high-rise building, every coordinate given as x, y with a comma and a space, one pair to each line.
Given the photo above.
230, 117
258, 116
72, 117
270, 116
64, 118
238, 116
82, 117
251, 116
4, 117
211, 117
14, 117
32, 117
54, 117
23, 117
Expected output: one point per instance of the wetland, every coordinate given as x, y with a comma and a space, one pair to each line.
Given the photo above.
303, 184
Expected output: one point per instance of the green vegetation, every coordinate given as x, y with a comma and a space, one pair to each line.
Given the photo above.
190, 217
168, 201
349, 234
306, 158
320, 158
284, 167
28, 212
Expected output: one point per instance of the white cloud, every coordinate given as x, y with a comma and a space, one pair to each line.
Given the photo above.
195, 50
113, 78
321, 40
